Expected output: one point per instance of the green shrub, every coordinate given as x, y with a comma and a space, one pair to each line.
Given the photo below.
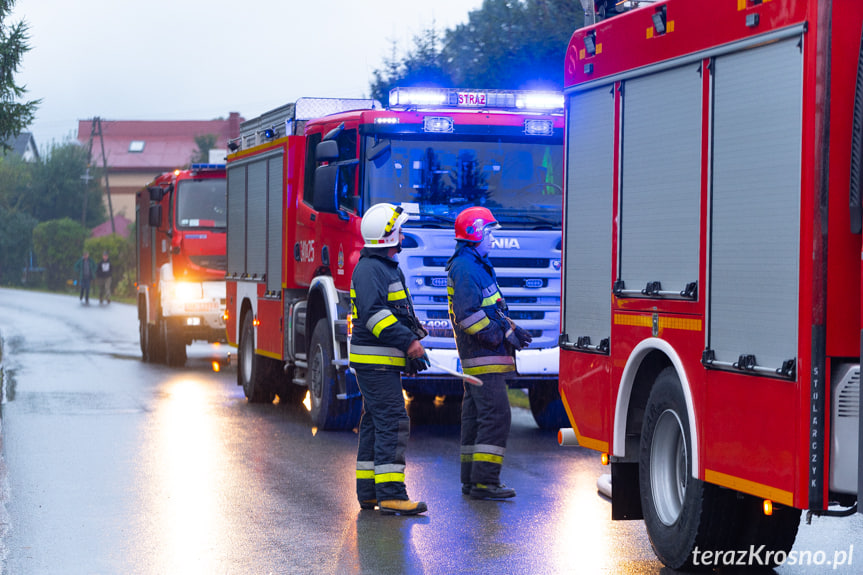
58, 244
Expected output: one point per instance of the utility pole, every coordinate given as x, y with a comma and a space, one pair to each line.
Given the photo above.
86, 177
94, 129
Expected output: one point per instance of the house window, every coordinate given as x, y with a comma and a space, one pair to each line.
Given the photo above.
136, 146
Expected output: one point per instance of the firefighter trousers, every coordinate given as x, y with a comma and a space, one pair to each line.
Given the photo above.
485, 423
383, 436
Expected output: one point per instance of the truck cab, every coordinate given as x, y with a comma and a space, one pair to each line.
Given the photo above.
181, 223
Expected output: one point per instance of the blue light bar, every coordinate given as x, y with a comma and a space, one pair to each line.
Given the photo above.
202, 167
436, 98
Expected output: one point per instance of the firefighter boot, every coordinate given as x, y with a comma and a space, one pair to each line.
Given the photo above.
489, 491
368, 503
402, 507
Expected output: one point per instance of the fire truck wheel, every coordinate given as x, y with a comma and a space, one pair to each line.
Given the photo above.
175, 347
327, 411
252, 369
546, 406
155, 344
775, 532
144, 338
680, 512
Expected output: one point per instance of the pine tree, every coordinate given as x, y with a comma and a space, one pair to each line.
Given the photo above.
14, 114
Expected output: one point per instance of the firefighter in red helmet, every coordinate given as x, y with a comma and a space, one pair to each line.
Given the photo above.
385, 341
486, 339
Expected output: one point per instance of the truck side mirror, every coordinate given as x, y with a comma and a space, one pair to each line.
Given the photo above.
326, 186
327, 151
156, 193
155, 216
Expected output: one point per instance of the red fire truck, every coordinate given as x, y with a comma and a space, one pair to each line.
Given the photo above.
301, 177
710, 335
181, 221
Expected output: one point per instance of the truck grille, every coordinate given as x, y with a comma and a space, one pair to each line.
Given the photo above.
211, 262
498, 263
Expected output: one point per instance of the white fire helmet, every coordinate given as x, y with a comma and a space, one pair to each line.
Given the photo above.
380, 225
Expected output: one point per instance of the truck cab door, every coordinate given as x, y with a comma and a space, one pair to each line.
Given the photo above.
326, 226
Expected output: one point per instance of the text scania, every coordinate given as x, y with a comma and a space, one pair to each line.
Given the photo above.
759, 556
506, 244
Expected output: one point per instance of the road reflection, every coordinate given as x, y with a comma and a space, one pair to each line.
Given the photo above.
187, 469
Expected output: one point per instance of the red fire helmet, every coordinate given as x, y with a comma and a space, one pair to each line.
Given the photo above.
471, 223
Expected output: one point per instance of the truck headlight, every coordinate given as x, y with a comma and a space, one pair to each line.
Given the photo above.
187, 291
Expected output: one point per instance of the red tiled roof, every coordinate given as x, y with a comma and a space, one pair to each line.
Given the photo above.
121, 225
167, 144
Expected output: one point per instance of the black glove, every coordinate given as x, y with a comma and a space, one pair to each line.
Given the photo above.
512, 339
419, 364
517, 337
523, 336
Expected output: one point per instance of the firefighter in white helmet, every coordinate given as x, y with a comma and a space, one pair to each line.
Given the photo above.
385, 341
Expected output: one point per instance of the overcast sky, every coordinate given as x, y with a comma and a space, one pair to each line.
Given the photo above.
201, 59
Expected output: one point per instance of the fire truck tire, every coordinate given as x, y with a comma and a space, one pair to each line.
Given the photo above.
327, 411
680, 512
253, 371
547, 406
155, 344
775, 532
144, 338
175, 346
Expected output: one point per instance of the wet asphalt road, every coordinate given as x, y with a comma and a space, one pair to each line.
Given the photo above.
110, 465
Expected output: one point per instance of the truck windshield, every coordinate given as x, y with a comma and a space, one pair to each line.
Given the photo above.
519, 181
202, 203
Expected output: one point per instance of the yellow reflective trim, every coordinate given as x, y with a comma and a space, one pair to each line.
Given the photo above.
353, 293
465, 457
477, 326
383, 324
683, 323
378, 359
490, 457
489, 369
633, 320
663, 322
490, 300
385, 477
365, 473
396, 295
450, 290
757, 489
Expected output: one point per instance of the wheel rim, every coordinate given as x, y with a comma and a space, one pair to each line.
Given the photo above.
668, 467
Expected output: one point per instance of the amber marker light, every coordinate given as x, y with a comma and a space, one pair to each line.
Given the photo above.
350, 325
226, 316
768, 507
256, 322
605, 459
216, 366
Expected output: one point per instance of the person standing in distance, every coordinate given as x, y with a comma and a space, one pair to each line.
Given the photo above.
103, 278
85, 268
486, 339
385, 341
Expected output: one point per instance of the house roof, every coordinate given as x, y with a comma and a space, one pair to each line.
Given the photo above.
121, 225
20, 142
153, 144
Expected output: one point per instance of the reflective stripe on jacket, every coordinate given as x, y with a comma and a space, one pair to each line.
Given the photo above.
382, 313
475, 311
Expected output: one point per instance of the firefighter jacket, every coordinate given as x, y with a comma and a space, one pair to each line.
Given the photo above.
476, 311
384, 323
